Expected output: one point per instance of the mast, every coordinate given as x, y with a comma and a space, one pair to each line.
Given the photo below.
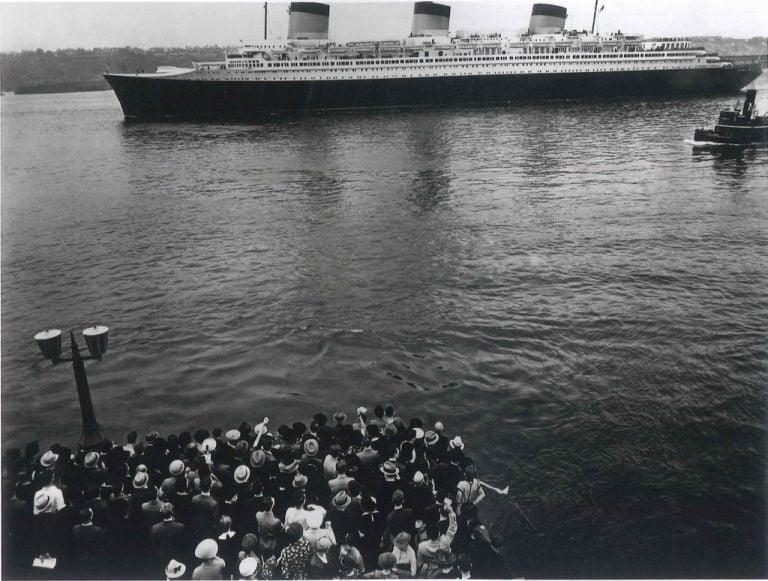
594, 17
265, 21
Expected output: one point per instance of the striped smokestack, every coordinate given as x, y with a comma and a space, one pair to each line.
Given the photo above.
547, 19
430, 19
308, 20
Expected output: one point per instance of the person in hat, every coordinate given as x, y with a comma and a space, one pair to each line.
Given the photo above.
49, 459
174, 570
225, 454
50, 498
323, 564
211, 565
48, 501
405, 555
342, 520
387, 568
295, 557
176, 471
419, 494
385, 485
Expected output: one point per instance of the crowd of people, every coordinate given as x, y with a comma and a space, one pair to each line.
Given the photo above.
372, 497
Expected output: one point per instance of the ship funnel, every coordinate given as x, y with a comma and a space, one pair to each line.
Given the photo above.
749, 104
308, 21
547, 19
430, 19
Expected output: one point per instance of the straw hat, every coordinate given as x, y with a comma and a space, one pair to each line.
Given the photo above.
300, 481
242, 474
258, 458
232, 435
341, 500
389, 469
209, 445
49, 459
311, 447
431, 438
42, 501
289, 468
457, 443
174, 569
91, 459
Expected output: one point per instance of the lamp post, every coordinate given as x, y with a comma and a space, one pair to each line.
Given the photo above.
96, 337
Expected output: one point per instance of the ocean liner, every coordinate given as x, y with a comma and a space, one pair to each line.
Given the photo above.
432, 67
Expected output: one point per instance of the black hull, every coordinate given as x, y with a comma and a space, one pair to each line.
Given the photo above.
742, 136
179, 98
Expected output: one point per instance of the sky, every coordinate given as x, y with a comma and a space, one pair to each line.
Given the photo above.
53, 25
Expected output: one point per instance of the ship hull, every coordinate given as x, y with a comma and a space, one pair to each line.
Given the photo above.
732, 135
145, 97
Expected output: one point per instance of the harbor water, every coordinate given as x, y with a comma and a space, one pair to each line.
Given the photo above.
569, 286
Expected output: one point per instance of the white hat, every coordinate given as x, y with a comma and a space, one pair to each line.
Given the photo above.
242, 473
232, 435
457, 443
209, 445
174, 569
176, 468
206, 549
49, 459
248, 566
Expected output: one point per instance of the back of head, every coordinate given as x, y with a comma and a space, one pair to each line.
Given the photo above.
166, 511
433, 532
294, 532
387, 561
85, 514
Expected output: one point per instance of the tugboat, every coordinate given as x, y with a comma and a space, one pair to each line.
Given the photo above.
736, 127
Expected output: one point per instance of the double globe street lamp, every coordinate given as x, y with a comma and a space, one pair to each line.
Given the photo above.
96, 338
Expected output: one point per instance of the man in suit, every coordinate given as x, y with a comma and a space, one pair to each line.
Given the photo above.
168, 536
89, 544
204, 512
